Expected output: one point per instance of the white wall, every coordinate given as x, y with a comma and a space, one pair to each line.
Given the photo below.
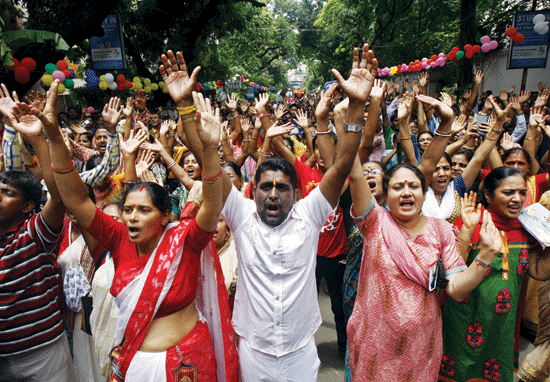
498, 77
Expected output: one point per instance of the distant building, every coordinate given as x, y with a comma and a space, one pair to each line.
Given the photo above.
297, 77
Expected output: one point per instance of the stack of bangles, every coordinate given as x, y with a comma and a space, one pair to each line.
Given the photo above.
33, 164
267, 155
64, 170
171, 165
323, 132
185, 111
462, 242
213, 179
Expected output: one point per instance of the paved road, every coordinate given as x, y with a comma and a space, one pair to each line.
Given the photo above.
332, 367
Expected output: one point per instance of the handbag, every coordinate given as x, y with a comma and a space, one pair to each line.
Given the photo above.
75, 285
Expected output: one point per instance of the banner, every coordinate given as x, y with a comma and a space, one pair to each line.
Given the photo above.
108, 51
532, 52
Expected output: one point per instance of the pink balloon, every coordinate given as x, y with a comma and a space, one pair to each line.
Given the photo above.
58, 75
90, 109
485, 40
493, 44
424, 64
441, 55
485, 48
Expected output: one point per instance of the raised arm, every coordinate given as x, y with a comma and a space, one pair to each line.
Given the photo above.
373, 120
404, 108
324, 141
357, 88
478, 78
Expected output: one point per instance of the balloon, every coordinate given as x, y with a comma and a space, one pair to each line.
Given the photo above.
112, 85
120, 86
29, 63
165, 90
120, 78
67, 73
50, 68
459, 54
90, 109
511, 32
102, 78
424, 65
60, 89
468, 47
154, 87
485, 39
441, 55
22, 74
58, 75
251, 83
434, 58
103, 85
494, 44
91, 85
138, 86
476, 48
69, 84
162, 85
128, 84
539, 19
109, 77
518, 39
47, 79
136, 80
469, 54
73, 74
424, 59
541, 28
62, 65
455, 49
485, 48
147, 82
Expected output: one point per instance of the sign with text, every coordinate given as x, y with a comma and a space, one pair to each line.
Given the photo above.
108, 51
533, 51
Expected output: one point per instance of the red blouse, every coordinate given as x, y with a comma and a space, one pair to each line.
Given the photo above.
113, 236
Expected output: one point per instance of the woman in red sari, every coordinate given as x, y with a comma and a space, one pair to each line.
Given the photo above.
164, 337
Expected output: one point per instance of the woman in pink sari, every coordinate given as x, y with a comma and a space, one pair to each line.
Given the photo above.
394, 332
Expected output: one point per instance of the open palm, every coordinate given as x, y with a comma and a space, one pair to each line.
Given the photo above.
174, 74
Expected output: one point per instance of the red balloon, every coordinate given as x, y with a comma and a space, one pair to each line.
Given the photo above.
518, 38
67, 73
128, 84
16, 63
430, 61
120, 86
251, 83
120, 79
62, 65
434, 57
511, 32
29, 63
469, 54
417, 62
455, 49
476, 48
22, 74
468, 47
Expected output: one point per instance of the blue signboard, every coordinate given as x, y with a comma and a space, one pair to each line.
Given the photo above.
533, 51
108, 51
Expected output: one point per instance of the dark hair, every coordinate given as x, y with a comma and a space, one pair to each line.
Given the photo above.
90, 191
388, 174
291, 143
515, 150
26, 183
447, 158
494, 179
330, 134
88, 135
277, 164
379, 163
93, 162
235, 168
468, 153
426, 132
159, 195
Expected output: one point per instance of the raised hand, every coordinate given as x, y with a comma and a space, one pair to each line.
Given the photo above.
232, 101
503, 95
145, 159
506, 143
459, 124
535, 118
470, 214
467, 94
261, 102
128, 109
378, 89
209, 127
279, 111
423, 79
7, 103
246, 126
174, 74
36, 100
404, 106
542, 99
501, 114
168, 126
131, 145
446, 98
359, 84
524, 96
541, 85
302, 119
111, 112
444, 111
515, 104
478, 77
323, 107
490, 237
244, 106
276, 129
140, 101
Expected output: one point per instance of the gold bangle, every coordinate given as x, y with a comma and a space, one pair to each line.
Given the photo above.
186, 110
404, 139
187, 120
492, 139
461, 242
496, 131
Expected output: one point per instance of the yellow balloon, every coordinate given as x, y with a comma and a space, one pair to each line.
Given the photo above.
138, 86
103, 85
162, 85
147, 89
136, 79
147, 82
47, 79
60, 89
165, 90
154, 87
102, 78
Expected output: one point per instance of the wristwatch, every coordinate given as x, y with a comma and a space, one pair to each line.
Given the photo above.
353, 127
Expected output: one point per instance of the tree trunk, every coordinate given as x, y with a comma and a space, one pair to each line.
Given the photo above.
467, 36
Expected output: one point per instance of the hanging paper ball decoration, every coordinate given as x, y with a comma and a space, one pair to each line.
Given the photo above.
22, 74
494, 44
136, 79
120, 78
485, 48
62, 65
50, 68
511, 32
147, 82
469, 54
459, 54
154, 87
103, 85
29, 63
476, 48
128, 84
109, 77
60, 89
162, 84
112, 85
120, 86
66, 73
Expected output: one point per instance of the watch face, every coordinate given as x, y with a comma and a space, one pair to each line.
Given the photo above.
351, 127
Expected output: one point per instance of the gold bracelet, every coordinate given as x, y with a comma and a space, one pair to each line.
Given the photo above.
404, 139
497, 131
187, 120
171, 165
462, 242
186, 110
492, 139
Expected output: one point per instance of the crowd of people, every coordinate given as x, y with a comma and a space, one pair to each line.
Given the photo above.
145, 245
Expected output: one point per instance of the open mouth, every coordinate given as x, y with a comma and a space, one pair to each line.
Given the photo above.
407, 205
442, 182
133, 232
272, 209
514, 209
372, 185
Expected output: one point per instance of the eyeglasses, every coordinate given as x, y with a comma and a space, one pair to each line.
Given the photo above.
374, 171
